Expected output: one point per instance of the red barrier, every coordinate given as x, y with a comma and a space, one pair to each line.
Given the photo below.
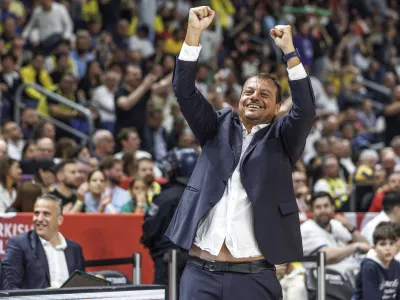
109, 236
101, 237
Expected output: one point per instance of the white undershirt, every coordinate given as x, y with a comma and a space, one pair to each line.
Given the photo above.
58, 268
231, 220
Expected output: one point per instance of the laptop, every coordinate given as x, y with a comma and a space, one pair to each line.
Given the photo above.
82, 279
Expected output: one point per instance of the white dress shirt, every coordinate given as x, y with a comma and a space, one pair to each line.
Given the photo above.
369, 228
6, 200
103, 98
231, 220
15, 150
58, 268
55, 21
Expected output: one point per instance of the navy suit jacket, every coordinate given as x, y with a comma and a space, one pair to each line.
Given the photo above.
265, 169
25, 263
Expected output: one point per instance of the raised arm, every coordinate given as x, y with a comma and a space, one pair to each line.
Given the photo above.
198, 112
298, 123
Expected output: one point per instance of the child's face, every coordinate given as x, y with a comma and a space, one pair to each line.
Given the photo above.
139, 187
386, 250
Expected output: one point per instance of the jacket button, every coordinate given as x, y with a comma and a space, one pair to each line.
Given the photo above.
224, 182
211, 204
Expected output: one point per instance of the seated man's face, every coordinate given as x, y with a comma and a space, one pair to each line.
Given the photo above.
46, 218
322, 211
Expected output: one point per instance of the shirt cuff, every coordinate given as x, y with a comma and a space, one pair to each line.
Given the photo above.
296, 73
189, 53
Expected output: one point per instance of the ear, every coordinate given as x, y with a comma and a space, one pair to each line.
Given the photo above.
277, 108
60, 220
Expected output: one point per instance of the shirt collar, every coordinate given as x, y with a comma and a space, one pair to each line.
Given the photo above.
254, 129
61, 246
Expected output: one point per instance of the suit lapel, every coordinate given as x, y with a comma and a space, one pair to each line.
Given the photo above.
69, 257
258, 137
236, 139
40, 254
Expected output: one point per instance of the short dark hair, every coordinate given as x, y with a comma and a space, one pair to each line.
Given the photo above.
53, 198
60, 167
318, 195
384, 231
124, 133
108, 162
266, 76
390, 201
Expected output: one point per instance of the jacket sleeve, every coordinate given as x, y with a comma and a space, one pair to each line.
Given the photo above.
370, 283
197, 111
80, 265
28, 77
298, 123
13, 266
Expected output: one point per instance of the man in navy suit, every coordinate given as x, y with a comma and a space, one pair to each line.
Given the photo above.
238, 215
41, 258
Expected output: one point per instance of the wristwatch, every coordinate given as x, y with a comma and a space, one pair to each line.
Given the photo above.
288, 56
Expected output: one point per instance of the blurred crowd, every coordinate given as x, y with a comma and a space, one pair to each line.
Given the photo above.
116, 58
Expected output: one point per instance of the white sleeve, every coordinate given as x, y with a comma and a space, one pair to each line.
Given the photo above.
340, 232
189, 53
321, 186
312, 240
296, 73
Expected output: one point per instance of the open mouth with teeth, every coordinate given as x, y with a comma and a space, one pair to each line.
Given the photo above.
254, 106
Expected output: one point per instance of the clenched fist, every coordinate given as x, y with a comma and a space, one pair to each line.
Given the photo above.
282, 36
200, 18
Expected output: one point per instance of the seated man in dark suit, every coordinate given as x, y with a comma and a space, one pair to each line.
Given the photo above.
41, 258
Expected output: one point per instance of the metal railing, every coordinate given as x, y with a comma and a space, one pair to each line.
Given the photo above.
83, 110
320, 259
135, 260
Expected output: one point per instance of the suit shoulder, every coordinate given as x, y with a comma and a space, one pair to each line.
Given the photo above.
20, 238
72, 244
226, 111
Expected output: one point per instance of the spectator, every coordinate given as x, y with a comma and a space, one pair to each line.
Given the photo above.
331, 183
9, 81
44, 129
64, 147
130, 141
333, 236
146, 172
27, 193
9, 176
390, 212
96, 200
29, 120
45, 148
112, 168
3, 149
30, 150
155, 136
81, 56
35, 73
61, 67
66, 174
103, 142
90, 81
55, 257
393, 185
392, 116
299, 180
131, 99
13, 136
380, 272
47, 13
103, 99
139, 203
140, 42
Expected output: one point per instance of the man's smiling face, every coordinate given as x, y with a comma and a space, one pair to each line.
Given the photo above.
258, 102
